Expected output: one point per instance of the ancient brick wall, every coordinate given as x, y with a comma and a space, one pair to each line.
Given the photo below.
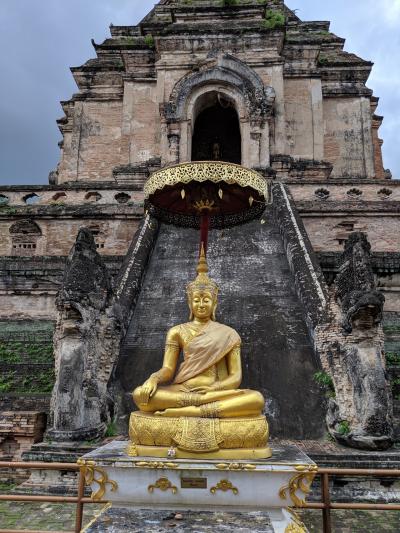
58, 235
85, 194
141, 122
303, 114
95, 145
329, 192
26, 380
329, 233
348, 137
28, 285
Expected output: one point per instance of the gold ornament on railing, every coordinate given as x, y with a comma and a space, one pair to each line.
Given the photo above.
95, 474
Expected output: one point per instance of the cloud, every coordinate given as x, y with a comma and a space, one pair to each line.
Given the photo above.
391, 12
41, 39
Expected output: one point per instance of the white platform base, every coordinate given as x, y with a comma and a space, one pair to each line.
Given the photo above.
271, 485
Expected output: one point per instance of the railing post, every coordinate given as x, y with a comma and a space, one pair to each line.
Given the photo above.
79, 503
326, 498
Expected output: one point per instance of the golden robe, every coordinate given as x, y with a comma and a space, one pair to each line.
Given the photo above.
206, 349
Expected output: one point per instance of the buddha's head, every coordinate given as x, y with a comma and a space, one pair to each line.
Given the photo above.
202, 293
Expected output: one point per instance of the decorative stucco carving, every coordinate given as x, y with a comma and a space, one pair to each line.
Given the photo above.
229, 71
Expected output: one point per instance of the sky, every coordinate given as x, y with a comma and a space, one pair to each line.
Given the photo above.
41, 39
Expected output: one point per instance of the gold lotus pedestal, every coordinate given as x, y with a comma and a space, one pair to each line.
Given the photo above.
204, 438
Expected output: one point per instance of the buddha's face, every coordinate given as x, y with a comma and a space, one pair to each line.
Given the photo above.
202, 304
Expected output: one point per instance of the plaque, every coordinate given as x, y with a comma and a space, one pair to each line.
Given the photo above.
194, 483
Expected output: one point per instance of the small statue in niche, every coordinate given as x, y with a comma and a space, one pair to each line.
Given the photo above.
216, 151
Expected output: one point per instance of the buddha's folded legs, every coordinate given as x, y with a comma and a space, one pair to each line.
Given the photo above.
172, 401
176, 396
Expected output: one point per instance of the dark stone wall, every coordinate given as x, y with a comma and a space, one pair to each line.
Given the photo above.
41, 273
391, 328
257, 297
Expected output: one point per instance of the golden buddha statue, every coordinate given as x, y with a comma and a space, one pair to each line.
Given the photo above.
202, 411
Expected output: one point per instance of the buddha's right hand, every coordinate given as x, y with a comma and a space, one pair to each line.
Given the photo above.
148, 389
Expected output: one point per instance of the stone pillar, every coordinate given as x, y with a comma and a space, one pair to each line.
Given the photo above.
174, 140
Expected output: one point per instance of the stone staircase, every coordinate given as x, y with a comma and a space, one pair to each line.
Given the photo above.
257, 297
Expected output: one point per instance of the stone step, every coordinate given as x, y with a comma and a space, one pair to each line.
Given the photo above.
257, 298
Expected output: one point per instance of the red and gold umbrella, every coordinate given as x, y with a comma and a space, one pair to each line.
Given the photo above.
206, 194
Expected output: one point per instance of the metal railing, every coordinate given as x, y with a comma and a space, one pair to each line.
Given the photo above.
79, 500
326, 505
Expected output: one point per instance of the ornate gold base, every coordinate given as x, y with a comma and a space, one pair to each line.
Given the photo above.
238, 454
198, 438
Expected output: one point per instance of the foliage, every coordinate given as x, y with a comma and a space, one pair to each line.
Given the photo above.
39, 383
393, 358
396, 389
6, 210
323, 60
128, 40
391, 328
344, 428
6, 487
274, 19
149, 40
228, 3
111, 430
20, 352
7, 381
326, 382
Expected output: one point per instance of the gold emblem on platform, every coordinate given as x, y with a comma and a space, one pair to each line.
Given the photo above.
131, 450
225, 485
95, 474
306, 468
163, 484
235, 466
155, 464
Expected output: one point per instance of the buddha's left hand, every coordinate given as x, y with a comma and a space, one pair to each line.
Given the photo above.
148, 389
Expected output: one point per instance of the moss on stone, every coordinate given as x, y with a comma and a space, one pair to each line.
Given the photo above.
274, 19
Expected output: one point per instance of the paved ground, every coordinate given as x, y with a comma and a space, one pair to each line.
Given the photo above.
355, 521
125, 521
42, 516
59, 517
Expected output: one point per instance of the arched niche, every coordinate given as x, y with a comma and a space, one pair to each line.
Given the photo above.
216, 134
24, 237
234, 81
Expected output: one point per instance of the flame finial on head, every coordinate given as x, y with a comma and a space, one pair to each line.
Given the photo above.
202, 281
